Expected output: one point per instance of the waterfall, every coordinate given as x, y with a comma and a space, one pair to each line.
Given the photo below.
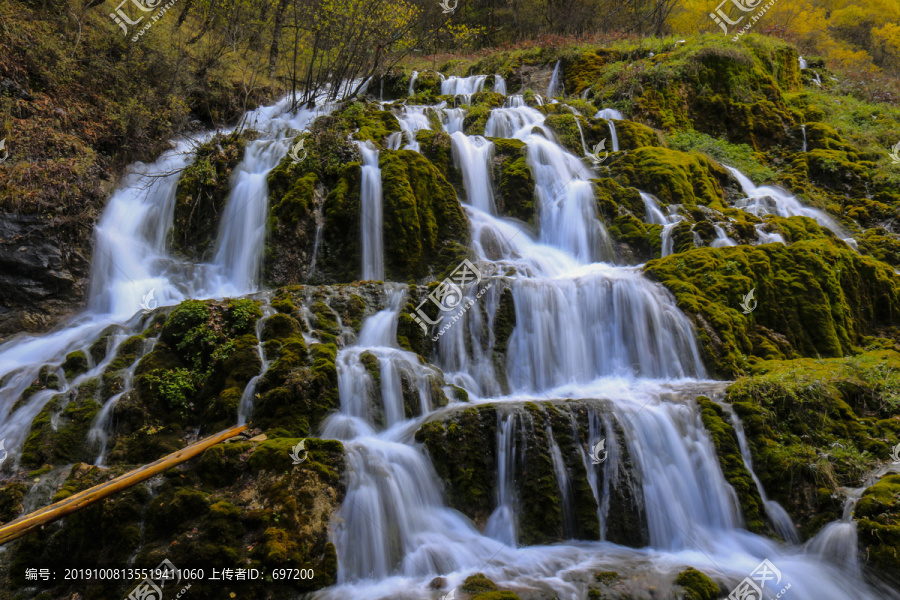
554, 81
499, 84
371, 223
610, 114
463, 86
452, 119
131, 263
472, 156
502, 524
803, 129
586, 332
656, 216
412, 83
242, 229
803, 64
771, 200
412, 119
780, 519
567, 207
245, 405
722, 240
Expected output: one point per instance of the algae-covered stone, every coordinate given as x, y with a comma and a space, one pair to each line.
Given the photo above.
59, 432
697, 585
814, 298
515, 182
202, 193
817, 425
425, 230
76, 363
672, 176
878, 522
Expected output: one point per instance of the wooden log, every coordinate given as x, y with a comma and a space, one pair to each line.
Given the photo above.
48, 514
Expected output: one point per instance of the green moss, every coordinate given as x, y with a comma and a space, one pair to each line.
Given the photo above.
291, 224
478, 583
673, 177
740, 156
815, 298
76, 363
515, 182
606, 577
425, 230
496, 596
11, 496
59, 432
202, 192
697, 586
817, 425
877, 514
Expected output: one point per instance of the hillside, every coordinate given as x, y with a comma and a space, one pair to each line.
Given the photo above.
451, 286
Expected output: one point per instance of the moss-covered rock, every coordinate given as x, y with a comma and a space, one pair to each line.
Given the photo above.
242, 503
75, 364
425, 231
672, 176
817, 425
877, 514
202, 193
59, 432
697, 586
468, 464
514, 180
814, 298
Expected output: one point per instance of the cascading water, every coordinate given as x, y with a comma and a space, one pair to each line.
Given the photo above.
131, 265
610, 115
499, 84
552, 87
656, 216
412, 119
803, 129
584, 329
370, 225
412, 83
472, 155
771, 200
463, 86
